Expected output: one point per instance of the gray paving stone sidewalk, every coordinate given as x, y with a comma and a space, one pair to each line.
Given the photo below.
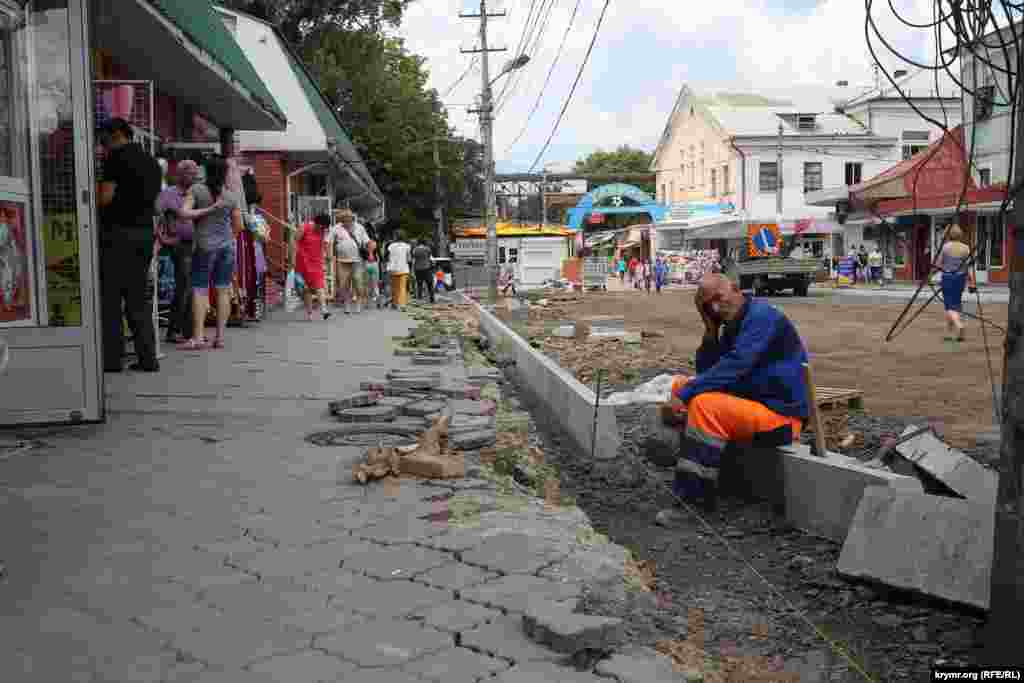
196, 537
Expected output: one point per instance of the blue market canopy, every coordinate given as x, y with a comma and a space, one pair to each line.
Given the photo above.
616, 198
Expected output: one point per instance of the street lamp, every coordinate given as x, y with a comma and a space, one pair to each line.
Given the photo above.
486, 124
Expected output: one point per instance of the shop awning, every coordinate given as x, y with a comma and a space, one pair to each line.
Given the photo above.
936, 168
184, 47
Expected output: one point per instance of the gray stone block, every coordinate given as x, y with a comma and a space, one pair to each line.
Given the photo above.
405, 373
935, 545
304, 666
537, 672
397, 402
462, 424
395, 562
565, 331
422, 383
504, 638
565, 631
471, 441
369, 414
953, 468
423, 408
458, 616
457, 665
358, 400
510, 592
384, 642
475, 408
515, 553
422, 359
822, 494
391, 599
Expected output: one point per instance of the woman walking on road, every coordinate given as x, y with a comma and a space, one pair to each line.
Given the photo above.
951, 262
215, 234
310, 250
372, 274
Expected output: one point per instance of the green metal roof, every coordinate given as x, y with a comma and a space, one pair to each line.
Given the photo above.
328, 119
200, 23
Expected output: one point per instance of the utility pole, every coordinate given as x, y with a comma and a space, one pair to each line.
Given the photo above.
544, 200
1006, 597
440, 233
778, 183
487, 130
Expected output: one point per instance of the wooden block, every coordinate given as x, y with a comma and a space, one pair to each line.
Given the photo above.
434, 466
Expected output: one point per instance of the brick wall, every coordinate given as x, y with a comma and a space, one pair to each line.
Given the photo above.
269, 168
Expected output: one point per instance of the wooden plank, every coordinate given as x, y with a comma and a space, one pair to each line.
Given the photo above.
832, 397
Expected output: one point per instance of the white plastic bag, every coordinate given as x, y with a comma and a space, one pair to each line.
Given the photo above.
291, 298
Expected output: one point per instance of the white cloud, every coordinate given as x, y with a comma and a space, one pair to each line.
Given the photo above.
647, 49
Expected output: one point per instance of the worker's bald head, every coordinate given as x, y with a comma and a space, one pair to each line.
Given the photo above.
714, 283
720, 296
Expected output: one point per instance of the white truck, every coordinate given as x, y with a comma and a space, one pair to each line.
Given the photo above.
773, 274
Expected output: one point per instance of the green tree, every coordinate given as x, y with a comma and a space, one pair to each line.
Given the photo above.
379, 90
625, 159
302, 20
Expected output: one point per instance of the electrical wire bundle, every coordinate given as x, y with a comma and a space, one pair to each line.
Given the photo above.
994, 43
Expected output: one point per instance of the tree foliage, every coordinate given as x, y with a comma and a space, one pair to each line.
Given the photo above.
379, 90
625, 159
301, 21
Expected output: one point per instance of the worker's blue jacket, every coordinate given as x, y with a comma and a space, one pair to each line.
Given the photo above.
759, 357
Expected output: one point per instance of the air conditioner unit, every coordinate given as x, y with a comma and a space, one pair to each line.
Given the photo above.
806, 122
983, 102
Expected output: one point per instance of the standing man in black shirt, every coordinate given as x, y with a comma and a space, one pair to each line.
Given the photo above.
423, 265
126, 197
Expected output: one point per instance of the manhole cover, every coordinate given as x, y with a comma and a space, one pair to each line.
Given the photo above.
367, 435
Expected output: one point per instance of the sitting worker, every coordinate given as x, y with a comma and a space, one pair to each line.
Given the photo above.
749, 387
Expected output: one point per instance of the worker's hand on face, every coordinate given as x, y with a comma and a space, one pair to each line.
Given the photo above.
710, 325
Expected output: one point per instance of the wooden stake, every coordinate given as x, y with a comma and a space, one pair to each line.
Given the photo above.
812, 396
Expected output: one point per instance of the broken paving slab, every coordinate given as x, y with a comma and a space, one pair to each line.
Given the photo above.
471, 441
557, 627
475, 408
407, 383
423, 408
361, 399
955, 469
643, 665
936, 545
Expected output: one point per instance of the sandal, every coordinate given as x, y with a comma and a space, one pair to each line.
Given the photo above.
193, 345
217, 344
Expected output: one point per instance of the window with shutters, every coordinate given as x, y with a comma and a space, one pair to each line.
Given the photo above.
853, 172
914, 141
714, 183
812, 176
768, 176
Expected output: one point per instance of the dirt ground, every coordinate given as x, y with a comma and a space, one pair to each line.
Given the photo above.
918, 373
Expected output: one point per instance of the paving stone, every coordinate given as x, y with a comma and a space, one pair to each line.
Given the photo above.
361, 399
504, 638
233, 643
463, 424
456, 576
430, 359
534, 672
303, 561
455, 539
565, 631
179, 618
457, 616
396, 562
459, 391
641, 665
218, 676
471, 441
422, 383
289, 531
397, 530
259, 601
337, 583
391, 598
379, 676
303, 667
384, 642
475, 408
397, 402
403, 373
370, 414
953, 468
935, 545
602, 564
511, 592
321, 620
514, 553
423, 408
457, 665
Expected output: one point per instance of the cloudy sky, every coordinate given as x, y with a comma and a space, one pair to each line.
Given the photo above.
646, 50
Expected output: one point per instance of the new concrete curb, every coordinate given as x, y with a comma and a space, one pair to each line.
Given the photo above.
570, 404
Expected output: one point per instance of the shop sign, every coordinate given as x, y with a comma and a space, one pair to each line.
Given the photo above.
63, 276
469, 248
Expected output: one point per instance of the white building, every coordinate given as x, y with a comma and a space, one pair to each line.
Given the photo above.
717, 151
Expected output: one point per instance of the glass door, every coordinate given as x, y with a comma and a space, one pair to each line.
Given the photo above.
982, 236
48, 306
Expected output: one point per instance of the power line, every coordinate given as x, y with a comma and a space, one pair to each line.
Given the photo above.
472, 63
531, 51
551, 70
572, 91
